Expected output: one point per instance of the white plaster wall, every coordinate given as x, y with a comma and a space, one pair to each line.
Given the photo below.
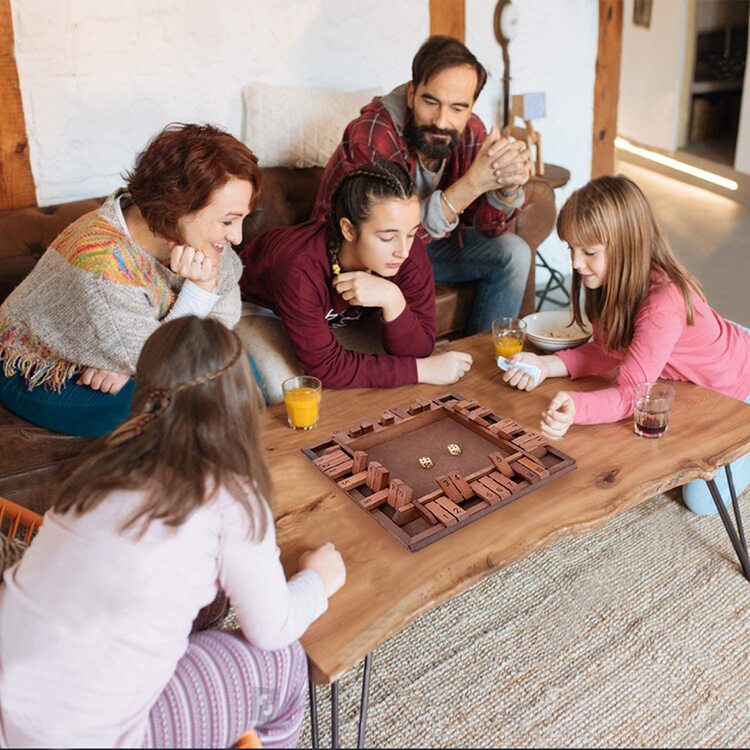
100, 77
555, 52
652, 74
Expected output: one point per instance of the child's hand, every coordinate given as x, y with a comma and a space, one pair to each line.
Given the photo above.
521, 380
327, 562
192, 264
558, 416
105, 381
364, 289
444, 368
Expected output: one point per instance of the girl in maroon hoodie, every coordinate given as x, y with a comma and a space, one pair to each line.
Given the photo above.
318, 276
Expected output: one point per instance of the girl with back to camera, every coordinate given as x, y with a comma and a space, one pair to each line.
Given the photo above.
157, 517
650, 317
317, 276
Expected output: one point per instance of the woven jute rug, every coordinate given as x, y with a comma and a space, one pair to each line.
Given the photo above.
635, 635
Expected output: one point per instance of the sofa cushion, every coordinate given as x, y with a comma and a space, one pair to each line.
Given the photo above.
25, 234
287, 126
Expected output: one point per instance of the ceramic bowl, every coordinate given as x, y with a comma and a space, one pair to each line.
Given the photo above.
551, 330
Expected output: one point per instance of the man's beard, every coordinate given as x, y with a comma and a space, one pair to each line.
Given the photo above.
417, 138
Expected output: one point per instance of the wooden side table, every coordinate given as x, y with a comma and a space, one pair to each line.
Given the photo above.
556, 176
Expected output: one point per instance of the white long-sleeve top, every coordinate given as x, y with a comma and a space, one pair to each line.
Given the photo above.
94, 621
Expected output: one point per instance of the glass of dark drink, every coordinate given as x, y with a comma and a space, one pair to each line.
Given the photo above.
652, 405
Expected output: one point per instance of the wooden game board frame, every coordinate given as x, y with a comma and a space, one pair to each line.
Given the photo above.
523, 461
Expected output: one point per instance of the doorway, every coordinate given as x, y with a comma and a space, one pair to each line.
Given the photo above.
721, 30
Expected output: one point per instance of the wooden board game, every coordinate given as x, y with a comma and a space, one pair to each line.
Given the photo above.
428, 470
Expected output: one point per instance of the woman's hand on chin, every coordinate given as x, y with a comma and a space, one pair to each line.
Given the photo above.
105, 381
194, 265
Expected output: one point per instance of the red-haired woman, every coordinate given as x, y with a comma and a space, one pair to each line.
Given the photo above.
159, 249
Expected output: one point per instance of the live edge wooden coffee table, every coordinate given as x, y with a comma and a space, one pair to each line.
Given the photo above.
388, 585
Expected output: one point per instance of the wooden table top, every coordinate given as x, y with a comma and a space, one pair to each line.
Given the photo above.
388, 586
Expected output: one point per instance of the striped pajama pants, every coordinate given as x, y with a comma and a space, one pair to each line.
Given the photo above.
222, 687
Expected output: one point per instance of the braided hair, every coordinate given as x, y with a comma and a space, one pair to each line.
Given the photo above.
194, 429
354, 194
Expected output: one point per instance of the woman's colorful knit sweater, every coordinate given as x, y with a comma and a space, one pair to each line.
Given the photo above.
93, 299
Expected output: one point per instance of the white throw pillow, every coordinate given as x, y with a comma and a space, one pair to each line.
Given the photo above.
287, 126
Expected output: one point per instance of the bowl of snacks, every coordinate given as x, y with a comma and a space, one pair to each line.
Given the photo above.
553, 330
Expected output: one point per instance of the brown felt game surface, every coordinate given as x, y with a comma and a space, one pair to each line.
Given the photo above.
401, 455
376, 462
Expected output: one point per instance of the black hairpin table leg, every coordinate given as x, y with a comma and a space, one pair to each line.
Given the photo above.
555, 281
737, 537
314, 735
364, 701
335, 714
314, 730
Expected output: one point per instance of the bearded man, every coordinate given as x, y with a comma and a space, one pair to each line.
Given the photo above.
470, 182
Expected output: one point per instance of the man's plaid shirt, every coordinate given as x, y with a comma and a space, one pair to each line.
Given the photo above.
374, 135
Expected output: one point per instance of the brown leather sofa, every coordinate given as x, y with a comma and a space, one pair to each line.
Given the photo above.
31, 459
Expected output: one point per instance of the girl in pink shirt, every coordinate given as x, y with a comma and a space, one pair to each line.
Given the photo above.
156, 519
650, 319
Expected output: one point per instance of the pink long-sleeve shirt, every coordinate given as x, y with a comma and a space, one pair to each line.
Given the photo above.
93, 621
713, 353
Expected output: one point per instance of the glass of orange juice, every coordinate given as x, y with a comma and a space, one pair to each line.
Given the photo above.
302, 398
508, 335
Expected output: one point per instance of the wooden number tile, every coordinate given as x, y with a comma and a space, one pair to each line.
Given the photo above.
356, 480
401, 415
355, 430
506, 428
524, 471
465, 404
387, 418
399, 494
442, 515
480, 413
377, 476
330, 459
374, 500
501, 464
340, 470
461, 485
503, 481
367, 426
487, 495
534, 466
459, 513
532, 442
430, 496
495, 487
450, 489
341, 437
424, 512
418, 406
405, 515
360, 462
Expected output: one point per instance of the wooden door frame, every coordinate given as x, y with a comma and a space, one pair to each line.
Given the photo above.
606, 87
448, 17
17, 188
